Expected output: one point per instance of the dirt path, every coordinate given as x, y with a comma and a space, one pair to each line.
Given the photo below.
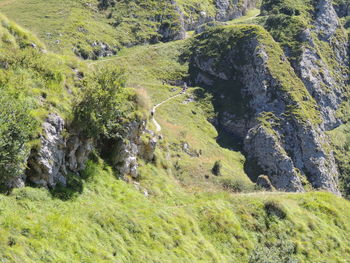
153, 112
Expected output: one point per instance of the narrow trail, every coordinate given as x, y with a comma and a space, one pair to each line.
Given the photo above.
153, 112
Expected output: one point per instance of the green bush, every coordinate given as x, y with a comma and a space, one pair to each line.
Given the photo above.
273, 208
216, 170
282, 251
104, 104
16, 129
237, 185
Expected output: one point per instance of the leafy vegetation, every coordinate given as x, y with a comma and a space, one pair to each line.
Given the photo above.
31, 83
216, 170
103, 104
17, 127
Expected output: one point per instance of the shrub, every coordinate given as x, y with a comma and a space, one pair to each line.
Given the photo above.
16, 129
273, 208
237, 185
216, 170
282, 251
104, 104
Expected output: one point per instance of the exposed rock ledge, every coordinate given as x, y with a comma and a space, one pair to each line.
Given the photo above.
290, 149
61, 153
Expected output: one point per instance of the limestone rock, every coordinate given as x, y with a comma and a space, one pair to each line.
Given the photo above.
57, 155
325, 83
264, 182
283, 146
132, 147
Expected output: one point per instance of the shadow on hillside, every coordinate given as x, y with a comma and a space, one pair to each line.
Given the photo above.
229, 141
226, 139
75, 184
75, 187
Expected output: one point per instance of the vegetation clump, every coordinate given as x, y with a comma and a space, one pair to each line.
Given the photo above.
216, 170
17, 128
104, 104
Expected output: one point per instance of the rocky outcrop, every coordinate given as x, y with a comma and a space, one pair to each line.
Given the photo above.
228, 9
139, 143
57, 156
342, 7
63, 152
247, 75
323, 66
176, 31
264, 182
98, 50
225, 10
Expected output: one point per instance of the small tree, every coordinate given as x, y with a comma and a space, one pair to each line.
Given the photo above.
216, 170
103, 104
16, 128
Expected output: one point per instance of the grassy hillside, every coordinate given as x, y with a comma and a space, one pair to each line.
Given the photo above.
177, 210
68, 24
152, 71
89, 27
111, 221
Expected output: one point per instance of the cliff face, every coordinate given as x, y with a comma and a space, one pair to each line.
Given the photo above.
321, 61
225, 10
342, 7
261, 100
60, 154
169, 20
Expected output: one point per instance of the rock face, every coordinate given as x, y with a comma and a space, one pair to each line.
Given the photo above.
173, 32
99, 50
228, 9
264, 182
276, 119
325, 80
342, 8
57, 155
139, 143
225, 10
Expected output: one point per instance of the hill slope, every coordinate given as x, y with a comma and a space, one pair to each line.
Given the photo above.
87, 176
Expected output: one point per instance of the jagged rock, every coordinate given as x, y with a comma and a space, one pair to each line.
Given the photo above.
326, 83
173, 32
342, 8
285, 147
225, 10
228, 9
265, 147
102, 49
58, 155
47, 165
264, 182
134, 146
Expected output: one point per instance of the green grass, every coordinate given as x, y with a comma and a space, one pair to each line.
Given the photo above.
187, 123
110, 221
71, 27
68, 24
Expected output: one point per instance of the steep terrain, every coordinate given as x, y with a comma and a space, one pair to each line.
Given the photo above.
180, 146
99, 28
